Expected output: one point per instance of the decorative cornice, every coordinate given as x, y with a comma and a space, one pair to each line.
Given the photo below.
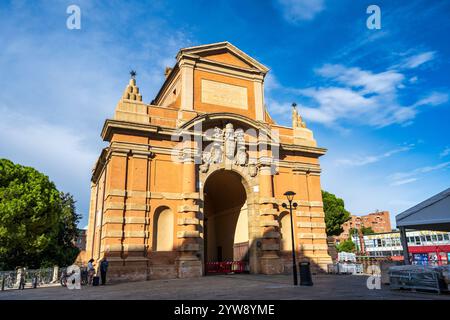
194, 51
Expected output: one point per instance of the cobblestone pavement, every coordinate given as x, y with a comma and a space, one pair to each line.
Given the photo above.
224, 287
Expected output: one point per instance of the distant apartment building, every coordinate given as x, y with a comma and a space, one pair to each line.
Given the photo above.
379, 221
425, 247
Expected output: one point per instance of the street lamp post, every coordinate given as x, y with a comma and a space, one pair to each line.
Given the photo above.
290, 196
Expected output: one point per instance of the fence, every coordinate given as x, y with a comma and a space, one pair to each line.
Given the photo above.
345, 268
227, 267
22, 277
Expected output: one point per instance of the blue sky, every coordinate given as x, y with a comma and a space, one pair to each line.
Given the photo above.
378, 100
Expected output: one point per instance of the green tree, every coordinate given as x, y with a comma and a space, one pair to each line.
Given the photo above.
346, 246
367, 230
37, 222
335, 213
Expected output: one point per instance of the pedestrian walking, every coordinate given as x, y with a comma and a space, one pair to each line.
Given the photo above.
103, 269
91, 271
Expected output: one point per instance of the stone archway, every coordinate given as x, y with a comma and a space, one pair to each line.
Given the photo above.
229, 225
225, 218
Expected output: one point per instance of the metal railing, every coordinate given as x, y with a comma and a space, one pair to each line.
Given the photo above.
22, 278
226, 267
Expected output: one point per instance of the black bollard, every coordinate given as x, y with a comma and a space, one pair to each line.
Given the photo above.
305, 274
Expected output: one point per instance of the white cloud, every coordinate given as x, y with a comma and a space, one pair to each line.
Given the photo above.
279, 109
57, 151
417, 60
400, 178
364, 160
368, 82
445, 152
401, 182
295, 11
58, 86
434, 99
271, 82
362, 97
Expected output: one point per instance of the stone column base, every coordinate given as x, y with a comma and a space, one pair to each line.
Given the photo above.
271, 265
120, 270
189, 268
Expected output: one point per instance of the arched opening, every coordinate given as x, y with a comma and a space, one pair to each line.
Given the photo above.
285, 231
163, 229
226, 235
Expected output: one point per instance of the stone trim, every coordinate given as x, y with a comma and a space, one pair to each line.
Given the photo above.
308, 246
188, 208
317, 215
269, 223
263, 200
115, 193
280, 201
188, 234
153, 195
188, 221
308, 214
268, 211
310, 224
305, 169
192, 195
310, 203
128, 220
126, 247
299, 213
305, 235
128, 234
128, 206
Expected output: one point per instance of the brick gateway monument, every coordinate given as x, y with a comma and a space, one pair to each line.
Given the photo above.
198, 176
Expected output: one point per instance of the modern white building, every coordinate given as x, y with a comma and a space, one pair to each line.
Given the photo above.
424, 246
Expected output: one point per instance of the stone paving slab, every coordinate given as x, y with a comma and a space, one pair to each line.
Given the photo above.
227, 287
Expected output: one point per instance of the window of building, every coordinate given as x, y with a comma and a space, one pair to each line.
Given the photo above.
417, 240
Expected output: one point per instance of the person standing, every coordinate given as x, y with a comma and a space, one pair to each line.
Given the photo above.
103, 270
91, 271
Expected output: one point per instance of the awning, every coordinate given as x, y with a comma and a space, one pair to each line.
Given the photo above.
431, 214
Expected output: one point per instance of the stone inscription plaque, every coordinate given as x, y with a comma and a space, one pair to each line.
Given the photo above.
224, 94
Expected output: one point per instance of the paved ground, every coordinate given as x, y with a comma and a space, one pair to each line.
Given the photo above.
225, 287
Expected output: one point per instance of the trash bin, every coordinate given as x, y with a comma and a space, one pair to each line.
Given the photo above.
305, 274
95, 281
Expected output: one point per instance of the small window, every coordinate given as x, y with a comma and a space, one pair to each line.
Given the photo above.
446, 237
434, 237
439, 236
417, 240
429, 238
